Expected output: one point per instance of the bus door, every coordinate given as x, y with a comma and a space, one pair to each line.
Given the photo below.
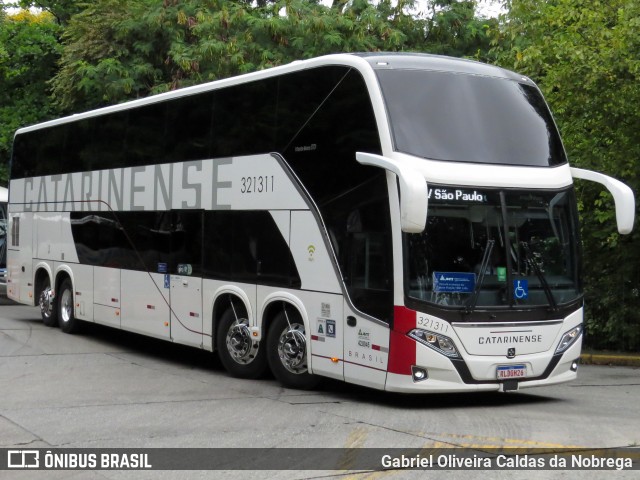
185, 278
21, 248
367, 277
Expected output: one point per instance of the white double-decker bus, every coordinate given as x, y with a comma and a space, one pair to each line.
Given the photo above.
401, 221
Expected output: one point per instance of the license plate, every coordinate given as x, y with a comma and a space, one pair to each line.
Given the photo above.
508, 372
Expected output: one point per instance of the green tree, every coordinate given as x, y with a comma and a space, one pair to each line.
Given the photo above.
29, 49
585, 55
116, 49
61, 10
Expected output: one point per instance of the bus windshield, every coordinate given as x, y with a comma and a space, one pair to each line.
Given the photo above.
490, 248
469, 118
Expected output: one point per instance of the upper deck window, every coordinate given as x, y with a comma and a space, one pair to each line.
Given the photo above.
469, 118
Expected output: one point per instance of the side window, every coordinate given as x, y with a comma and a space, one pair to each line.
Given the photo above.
107, 150
246, 246
78, 149
50, 145
244, 119
363, 234
15, 231
145, 142
24, 157
323, 132
188, 128
186, 243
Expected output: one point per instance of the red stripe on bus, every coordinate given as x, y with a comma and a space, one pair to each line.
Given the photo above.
402, 349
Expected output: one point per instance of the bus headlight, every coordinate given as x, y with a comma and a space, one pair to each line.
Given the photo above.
435, 341
569, 339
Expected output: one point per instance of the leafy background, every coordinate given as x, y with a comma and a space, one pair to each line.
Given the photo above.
66, 56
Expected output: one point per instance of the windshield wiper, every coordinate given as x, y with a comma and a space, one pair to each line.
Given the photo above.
471, 305
543, 281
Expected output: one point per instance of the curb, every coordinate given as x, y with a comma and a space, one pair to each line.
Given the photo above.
610, 359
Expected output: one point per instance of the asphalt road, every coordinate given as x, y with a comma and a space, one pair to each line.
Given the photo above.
105, 388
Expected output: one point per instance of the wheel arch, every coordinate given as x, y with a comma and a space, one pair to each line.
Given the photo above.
42, 273
221, 301
63, 272
274, 303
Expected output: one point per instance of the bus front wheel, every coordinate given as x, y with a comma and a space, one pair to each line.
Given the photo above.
241, 355
287, 351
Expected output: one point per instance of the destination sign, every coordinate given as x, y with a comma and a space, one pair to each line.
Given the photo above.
461, 195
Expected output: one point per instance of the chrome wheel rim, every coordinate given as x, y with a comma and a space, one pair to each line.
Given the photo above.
292, 349
241, 347
46, 302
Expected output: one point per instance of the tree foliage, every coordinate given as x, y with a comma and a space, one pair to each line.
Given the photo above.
29, 49
585, 55
116, 50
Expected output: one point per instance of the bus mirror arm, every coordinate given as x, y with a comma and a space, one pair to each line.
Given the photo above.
413, 190
622, 196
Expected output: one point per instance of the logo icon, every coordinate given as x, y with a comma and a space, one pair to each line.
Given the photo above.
521, 289
511, 353
23, 459
311, 249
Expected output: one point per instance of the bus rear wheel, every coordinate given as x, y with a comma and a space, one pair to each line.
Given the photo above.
47, 304
241, 355
287, 352
66, 318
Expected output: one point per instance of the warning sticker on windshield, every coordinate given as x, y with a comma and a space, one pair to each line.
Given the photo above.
454, 282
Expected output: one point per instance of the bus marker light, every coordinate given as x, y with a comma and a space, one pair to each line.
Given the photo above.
166, 324
335, 360
418, 373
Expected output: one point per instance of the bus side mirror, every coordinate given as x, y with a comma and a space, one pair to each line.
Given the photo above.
622, 196
413, 190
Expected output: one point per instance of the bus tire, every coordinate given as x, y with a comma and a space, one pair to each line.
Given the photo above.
66, 318
287, 352
241, 355
47, 304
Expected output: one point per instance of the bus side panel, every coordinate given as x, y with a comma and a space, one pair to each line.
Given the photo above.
19, 261
186, 310
145, 303
83, 288
106, 301
311, 255
47, 239
366, 350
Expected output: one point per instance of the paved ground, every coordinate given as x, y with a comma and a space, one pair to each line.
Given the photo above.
106, 388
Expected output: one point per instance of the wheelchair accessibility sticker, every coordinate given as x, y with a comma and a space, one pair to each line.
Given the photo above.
521, 289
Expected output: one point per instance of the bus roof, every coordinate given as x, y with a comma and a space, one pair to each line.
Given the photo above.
376, 61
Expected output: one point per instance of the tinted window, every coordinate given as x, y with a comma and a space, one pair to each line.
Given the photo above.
326, 117
244, 119
24, 156
78, 147
467, 118
188, 128
247, 246
324, 133
107, 148
50, 148
186, 243
131, 240
146, 136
